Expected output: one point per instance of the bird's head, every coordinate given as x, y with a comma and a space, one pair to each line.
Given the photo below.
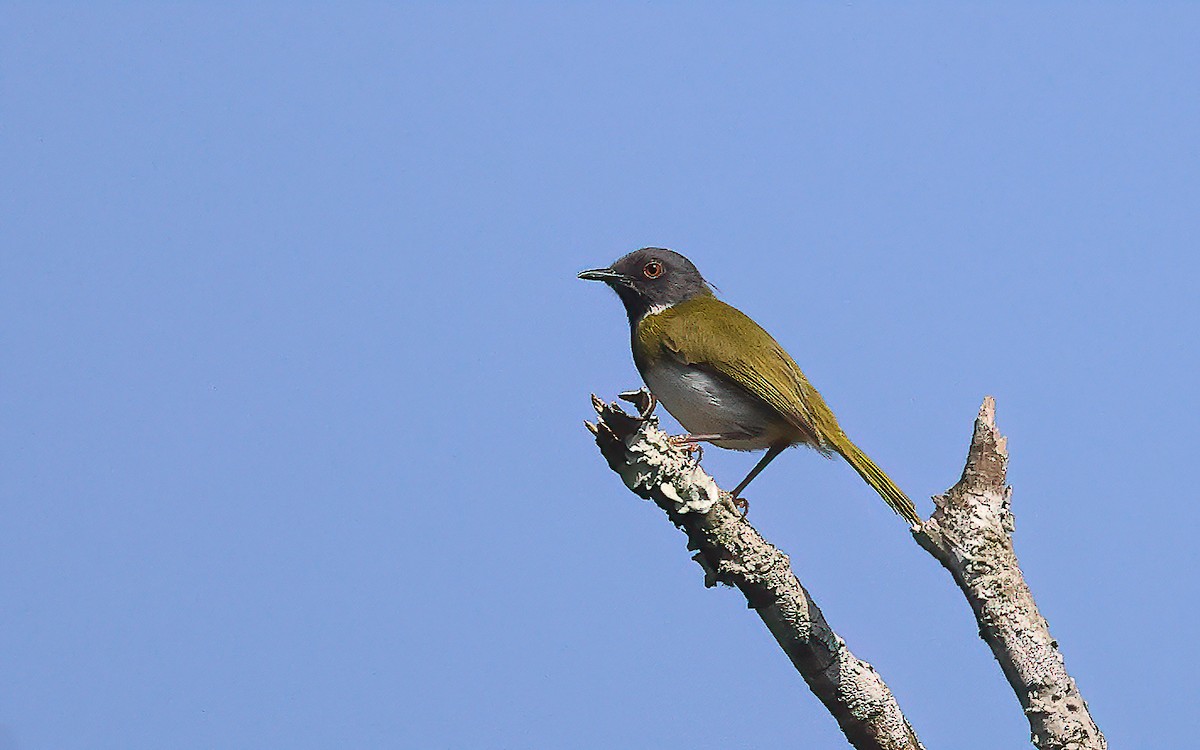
650, 280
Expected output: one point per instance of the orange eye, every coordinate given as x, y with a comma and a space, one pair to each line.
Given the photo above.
653, 269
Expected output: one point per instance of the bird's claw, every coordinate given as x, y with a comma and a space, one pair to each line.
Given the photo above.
688, 444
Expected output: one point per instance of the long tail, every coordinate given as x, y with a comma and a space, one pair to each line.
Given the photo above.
882, 483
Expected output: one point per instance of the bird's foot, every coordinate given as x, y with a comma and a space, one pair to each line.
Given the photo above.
643, 399
743, 505
690, 444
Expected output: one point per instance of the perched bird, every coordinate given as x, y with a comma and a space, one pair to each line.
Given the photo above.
721, 375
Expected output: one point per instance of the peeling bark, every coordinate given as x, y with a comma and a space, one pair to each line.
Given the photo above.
970, 533
732, 552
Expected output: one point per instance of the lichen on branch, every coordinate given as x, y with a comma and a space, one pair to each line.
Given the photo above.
732, 552
970, 534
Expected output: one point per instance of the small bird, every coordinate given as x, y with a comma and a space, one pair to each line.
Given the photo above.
721, 375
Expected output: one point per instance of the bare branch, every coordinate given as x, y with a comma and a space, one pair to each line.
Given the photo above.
730, 551
970, 533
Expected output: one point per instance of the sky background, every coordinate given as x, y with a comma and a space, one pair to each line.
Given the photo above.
294, 363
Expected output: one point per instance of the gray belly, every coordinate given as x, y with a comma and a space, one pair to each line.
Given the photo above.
707, 405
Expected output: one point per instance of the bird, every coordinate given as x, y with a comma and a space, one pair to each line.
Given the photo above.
723, 377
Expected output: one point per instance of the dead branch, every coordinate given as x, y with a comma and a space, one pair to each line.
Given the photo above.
970, 533
732, 552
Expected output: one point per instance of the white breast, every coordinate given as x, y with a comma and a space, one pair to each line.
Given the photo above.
706, 405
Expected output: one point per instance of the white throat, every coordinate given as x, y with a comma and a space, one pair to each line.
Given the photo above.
654, 310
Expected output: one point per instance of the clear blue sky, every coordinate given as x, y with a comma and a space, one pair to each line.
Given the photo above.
295, 363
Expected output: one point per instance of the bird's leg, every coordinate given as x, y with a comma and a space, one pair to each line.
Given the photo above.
772, 452
694, 439
643, 399
691, 443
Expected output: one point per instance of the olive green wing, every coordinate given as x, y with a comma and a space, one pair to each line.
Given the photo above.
705, 332
708, 333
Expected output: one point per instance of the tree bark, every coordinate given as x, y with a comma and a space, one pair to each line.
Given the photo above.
732, 552
970, 533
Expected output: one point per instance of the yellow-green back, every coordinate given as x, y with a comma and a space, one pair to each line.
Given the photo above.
705, 332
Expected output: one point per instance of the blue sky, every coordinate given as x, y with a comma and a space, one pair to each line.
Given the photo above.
295, 362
